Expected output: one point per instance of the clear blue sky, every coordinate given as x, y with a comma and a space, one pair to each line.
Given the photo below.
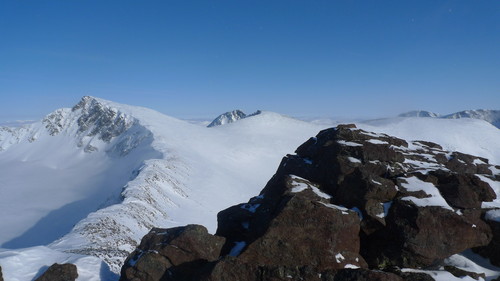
201, 58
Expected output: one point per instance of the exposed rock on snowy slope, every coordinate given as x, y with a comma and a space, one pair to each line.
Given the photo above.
231, 117
349, 202
228, 117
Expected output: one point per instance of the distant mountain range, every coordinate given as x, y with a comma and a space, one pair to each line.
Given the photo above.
490, 116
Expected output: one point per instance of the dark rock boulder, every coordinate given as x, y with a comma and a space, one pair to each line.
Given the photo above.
462, 191
492, 250
301, 228
1, 276
171, 254
418, 237
385, 178
59, 272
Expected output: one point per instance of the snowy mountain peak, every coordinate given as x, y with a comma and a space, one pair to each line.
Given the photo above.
101, 120
491, 116
231, 116
228, 117
419, 113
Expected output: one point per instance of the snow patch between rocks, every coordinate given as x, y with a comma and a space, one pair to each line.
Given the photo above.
435, 198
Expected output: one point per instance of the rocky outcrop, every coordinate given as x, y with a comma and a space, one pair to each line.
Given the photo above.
413, 196
99, 120
59, 272
349, 204
1, 276
172, 254
293, 224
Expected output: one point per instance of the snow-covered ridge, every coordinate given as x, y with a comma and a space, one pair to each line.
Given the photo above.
490, 116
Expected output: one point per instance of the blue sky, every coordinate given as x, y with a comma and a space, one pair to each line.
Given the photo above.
193, 59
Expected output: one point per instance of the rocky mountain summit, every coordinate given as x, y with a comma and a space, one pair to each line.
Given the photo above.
230, 117
350, 205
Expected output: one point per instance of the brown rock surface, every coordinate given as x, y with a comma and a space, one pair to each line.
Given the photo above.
59, 272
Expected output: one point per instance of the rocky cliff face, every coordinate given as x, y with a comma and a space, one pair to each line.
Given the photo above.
350, 205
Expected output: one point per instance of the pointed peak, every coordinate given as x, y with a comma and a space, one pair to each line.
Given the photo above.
85, 102
228, 117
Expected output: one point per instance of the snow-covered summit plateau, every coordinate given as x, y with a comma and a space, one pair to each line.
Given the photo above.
84, 184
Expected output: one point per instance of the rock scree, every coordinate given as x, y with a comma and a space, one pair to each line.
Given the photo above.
349, 205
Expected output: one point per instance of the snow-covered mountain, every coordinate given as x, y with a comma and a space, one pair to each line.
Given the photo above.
86, 183
418, 113
490, 116
230, 117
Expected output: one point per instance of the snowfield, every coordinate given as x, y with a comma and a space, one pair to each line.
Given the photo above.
85, 184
